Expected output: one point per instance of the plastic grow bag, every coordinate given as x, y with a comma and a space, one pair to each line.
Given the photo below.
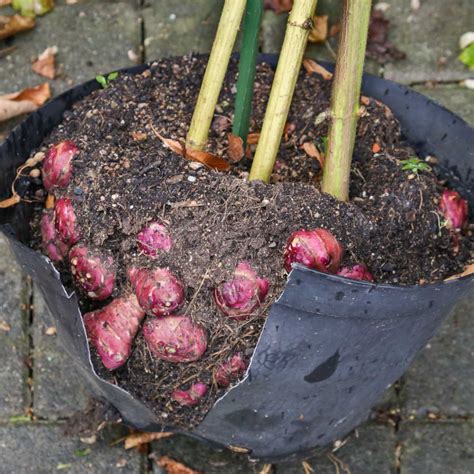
330, 346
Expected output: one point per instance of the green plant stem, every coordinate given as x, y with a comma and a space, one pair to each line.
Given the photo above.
345, 100
247, 69
224, 41
284, 83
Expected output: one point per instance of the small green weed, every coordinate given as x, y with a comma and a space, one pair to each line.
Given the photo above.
105, 81
415, 165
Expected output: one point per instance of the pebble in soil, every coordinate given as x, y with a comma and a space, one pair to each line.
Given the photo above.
124, 177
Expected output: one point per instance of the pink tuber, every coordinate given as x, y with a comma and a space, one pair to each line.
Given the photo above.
111, 330
230, 370
153, 238
65, 221
54, 248
175, 338
317, 249
93, 272
454, 209
192, 396
57, 165
158, 291
357, 272
242, 295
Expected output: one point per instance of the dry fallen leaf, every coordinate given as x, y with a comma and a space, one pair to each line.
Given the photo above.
278, 6
319, 32
312, 66
288, 130
135, 439
376, 148
221, 123
28, 100
139, 136
253, 138
4, 326
11, 25
266, 469
51, 331
236, 148
174, 467
207, 159
45, 65
467, 271
312, 150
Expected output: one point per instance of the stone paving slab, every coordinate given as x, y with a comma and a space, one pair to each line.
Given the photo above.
177, 27
458, 99
14, 394
437, 448
92, 38
429, 37
45, 449
371, 452
59, 390
441, 379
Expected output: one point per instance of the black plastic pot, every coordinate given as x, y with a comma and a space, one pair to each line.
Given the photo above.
330, 346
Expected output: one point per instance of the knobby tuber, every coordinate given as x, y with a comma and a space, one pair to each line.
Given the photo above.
111, 330
192, 396
241, 296
175, 338
154, 238
57, 165
317, 249
159, 292
93, 272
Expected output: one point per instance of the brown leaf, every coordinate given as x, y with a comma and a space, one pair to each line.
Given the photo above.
208, 159
379, 47
11, 25
174, 467
26, 101
312, 150
221, 123
45, 65
253, 138
51, 331
4, 3
139, 136
467, 271
319, 32
11, 201
4, 326
135, 439
236, 148
288, 130
278, 6
204, 157
312, 66
38, 95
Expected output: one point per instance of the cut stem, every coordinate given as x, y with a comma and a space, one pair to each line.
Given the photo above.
247, 69
284, 83
224, 41
345, 100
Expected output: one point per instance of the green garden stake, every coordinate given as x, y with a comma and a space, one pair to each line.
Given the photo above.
247, 69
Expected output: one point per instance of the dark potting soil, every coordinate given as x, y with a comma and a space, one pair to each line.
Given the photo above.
125, 177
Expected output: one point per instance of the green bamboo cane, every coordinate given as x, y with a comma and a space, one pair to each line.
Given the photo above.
284, 83
345, 100
247, 69
224, 41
